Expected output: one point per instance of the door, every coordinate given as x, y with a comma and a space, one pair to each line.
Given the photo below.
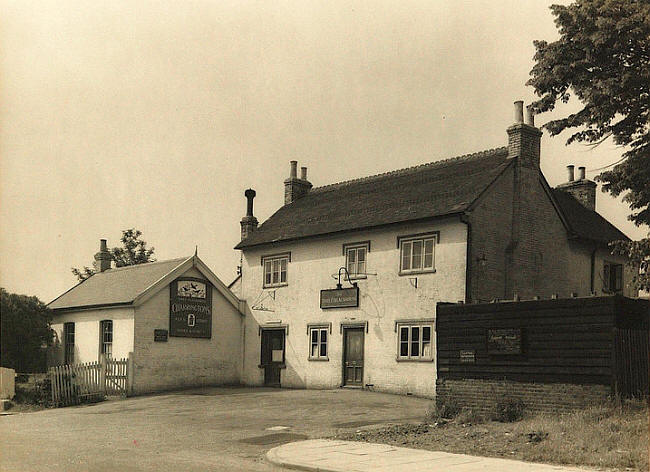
272, 355
353, 356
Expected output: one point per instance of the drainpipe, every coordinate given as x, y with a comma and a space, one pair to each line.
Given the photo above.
464, 218
593, 270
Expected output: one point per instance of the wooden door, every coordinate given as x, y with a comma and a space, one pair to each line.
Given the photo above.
353, 356
272, 356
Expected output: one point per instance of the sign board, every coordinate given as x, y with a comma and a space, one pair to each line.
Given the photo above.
467, 357
160, 335
339, 298
190, 308
504, 341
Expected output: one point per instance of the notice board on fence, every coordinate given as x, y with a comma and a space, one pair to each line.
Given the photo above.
504, 341
190, 308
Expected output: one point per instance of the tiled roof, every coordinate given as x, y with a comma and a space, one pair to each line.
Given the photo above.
429, 190
585, 223
115, 286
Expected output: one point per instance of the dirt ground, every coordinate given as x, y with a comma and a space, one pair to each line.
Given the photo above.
205, 429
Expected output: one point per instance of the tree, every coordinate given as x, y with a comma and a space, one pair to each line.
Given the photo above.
133, 251
24, 332
603, 58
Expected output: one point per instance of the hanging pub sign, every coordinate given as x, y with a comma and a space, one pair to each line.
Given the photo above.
504, 341
190, 308
339, 298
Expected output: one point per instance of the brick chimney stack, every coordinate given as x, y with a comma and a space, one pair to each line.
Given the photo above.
249, 222
582, 189
524, 138
103, 257
294, 187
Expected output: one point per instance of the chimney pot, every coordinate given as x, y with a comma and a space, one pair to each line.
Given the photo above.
250, 195
570, 172
519, 111
303, 173
581, 173
102, 245
294, 170
530, 116
248, 223
103, 257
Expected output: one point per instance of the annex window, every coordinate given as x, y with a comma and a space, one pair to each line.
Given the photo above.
417, 254
106, 337
275, 270
415, 341
318, 339
356, 256
612, 277
68, 341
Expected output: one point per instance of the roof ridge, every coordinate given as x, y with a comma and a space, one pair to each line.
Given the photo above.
406, 170
144, 264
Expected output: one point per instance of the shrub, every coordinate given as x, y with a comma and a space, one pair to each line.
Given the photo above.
37, 393
444, 407
508, 410
469, 416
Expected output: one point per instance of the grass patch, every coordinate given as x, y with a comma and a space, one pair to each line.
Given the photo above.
613, 435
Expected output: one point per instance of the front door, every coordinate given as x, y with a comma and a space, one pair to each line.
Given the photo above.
272, 354
353, 356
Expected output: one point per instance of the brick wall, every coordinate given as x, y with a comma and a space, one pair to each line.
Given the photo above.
482, 395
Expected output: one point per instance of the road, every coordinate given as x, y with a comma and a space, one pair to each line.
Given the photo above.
196, 430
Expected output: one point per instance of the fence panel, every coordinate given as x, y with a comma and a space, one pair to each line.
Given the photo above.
631, 359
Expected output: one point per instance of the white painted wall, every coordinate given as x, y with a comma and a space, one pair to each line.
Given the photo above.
87, 346
384, 298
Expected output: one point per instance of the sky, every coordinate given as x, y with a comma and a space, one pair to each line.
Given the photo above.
158, 115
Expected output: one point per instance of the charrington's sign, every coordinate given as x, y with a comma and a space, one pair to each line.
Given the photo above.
190, 308
339, 298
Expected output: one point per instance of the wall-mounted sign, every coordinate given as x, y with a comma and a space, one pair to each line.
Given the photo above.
504, 341
339, 298
160, 335
467, 357
190, 308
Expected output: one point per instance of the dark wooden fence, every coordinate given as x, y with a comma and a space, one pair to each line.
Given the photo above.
596, 340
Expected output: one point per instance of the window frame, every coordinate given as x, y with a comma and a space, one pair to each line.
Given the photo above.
68, 347
349, 247
410, 239
608, 275
320, 329
409, 325
284, 257
103, 343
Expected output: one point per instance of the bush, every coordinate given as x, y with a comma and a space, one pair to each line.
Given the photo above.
37, 393
469, 416
444, 407
508, 410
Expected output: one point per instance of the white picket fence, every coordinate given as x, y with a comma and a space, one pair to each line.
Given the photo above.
74, 384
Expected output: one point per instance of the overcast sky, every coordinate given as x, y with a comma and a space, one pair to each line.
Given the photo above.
158, 115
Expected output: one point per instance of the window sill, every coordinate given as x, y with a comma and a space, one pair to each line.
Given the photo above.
275, 285
406, 359
417, 272
281, 366
318, 359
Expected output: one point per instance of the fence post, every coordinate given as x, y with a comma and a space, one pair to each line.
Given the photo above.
102, 373
130, 373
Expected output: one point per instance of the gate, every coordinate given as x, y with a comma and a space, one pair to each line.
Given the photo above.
78, 383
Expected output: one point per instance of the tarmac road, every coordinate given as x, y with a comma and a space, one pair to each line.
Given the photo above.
196, 430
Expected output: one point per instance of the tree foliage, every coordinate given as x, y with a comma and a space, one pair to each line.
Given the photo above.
133, 251
603, 59
25, 331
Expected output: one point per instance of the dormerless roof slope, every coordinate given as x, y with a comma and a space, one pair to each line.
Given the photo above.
430, 190
425, 191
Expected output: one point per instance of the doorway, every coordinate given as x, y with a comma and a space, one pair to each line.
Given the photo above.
272, 356
353, 357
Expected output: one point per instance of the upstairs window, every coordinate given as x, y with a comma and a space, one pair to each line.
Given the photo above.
415, 341
417, 254
355, 259
68, 340
275, 270
612, 277
106, 337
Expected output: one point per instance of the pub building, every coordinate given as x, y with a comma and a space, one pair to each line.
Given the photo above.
175, 321
341, 283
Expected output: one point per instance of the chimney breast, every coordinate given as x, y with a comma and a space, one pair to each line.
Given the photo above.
103, 257
524, 139
583, 190
294, 187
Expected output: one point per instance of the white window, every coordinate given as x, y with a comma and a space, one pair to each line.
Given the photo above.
355, 260
318, 337
275, 270
414, 341
417, 254
68, 339
106, 337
